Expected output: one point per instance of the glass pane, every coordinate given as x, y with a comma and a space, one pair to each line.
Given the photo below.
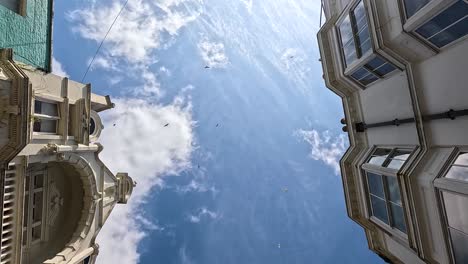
451, 34
375, 63
401, 154
385, 69
36, 233
25, 210
363, 42
359, 11
368, 79
346, 31
379, 156
412, 6
444, 19
38, 181
47, 126
379, 209
45, 108
396, 164
459, 246
398, 217
458, 173
462, 159
456, 208
25, 236
350, 53
393, 189
359, 73
37, 207
375, 184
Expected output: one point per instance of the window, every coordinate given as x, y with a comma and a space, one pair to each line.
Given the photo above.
46, 116
354, 32
390, 158
459, 169
413, 6
384, 192
453, 189
456, 211
372, 71
33, 207
446, 27
356, 43
385, 200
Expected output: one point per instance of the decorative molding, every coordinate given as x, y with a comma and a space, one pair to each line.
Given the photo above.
56, 203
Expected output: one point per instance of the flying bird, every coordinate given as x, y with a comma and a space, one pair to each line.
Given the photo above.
207, 67
291, 57
114, 124
217, 125
166, 125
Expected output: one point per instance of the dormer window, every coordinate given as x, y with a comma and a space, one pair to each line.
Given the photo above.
362, 65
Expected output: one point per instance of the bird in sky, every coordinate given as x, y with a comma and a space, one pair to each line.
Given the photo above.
166, 125
207, 67
291, 57
114, 124
217, 125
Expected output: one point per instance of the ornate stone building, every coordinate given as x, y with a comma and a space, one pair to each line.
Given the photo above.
400, 67
55, 192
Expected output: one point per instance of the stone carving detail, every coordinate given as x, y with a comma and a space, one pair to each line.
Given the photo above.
50, 148
56, 203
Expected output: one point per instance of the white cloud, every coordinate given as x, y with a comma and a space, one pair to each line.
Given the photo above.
141, 145
213, 54
248, 5
57, 68
138, 31
195, 186
165, 71
324, 147
201, 213
142, 28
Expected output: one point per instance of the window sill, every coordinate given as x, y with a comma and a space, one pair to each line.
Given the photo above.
401, 237
39, 135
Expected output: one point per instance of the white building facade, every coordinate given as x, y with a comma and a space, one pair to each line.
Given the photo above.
401, 68
56, 193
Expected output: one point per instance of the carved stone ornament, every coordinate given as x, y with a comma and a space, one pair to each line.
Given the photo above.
49, 149
56, 203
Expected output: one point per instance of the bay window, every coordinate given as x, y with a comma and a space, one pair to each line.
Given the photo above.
362, 65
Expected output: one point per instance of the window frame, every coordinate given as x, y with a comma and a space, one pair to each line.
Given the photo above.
449, 185
30, 190
424, 15
37, 116
347, 13
366, 168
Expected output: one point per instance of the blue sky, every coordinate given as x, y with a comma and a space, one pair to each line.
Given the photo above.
247, 169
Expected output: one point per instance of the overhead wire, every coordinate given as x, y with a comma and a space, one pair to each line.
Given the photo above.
102, 42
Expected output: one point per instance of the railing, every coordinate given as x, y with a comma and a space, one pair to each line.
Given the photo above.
9, 215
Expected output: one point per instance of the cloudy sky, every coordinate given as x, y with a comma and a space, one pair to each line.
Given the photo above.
223, 120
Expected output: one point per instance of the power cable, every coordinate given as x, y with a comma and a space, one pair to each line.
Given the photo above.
102, 42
